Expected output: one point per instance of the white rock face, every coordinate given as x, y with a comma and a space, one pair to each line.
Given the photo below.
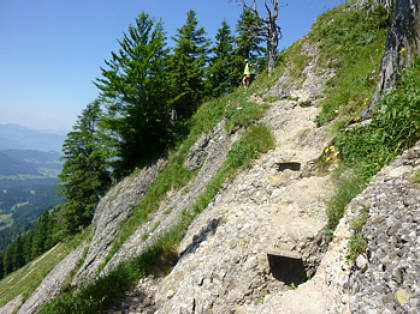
214, 146
113, 209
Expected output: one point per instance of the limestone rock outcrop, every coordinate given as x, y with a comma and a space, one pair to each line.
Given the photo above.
213, 148
113, 209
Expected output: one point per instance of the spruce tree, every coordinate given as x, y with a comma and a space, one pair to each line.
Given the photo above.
84, 177
40, 235
7, 261
249, 39
187, 66
134, 87
18, 258
27, 245
223, 74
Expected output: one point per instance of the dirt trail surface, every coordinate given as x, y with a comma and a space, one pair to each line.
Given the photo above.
275, 206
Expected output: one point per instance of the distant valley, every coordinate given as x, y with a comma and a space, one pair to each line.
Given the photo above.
29, 165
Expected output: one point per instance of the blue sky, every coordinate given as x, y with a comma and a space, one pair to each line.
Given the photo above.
51, 50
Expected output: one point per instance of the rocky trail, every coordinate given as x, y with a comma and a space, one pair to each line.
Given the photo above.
249, 242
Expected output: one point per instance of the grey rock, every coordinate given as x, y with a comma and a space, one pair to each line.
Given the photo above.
113, 209
361, 262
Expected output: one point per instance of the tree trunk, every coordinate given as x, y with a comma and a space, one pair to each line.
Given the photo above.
272, 43
271, 31
401, 48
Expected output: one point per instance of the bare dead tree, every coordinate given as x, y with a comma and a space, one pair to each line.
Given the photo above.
269, 29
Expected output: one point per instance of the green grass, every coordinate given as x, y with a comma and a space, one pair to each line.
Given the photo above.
358, 222
365, 150
352, 43
162, 255
348, 185
357, 245
296, 62
25, 280
243, 114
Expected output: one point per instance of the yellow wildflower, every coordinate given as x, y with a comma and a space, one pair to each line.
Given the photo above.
332, 148
336, 154
326, 150
402, 50
356, 119
328, 159
366, 101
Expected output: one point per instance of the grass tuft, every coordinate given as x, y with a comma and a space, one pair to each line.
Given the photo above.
357, 245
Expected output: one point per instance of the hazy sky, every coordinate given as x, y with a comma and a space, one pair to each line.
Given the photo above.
51, 50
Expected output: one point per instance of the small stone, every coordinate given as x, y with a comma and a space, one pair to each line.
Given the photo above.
361, 262
170, 294
345, 299
388, 299
393, 229
402, 297
397, 276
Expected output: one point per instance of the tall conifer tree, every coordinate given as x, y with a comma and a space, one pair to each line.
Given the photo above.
249, 39
134, 86
7, 261
187, 65
84, 177
40, 235
18, 258
223, 74
27, 245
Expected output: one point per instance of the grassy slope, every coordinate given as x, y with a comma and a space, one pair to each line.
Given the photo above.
352, 42
25, 280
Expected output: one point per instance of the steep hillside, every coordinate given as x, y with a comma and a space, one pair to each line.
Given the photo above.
237, 219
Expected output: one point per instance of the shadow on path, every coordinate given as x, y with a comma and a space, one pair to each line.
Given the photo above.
210, 229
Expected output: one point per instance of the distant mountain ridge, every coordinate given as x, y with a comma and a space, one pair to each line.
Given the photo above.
14, 136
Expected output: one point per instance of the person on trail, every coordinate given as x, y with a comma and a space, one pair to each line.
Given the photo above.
246, 80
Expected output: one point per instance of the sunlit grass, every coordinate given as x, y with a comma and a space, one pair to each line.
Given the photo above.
25, 280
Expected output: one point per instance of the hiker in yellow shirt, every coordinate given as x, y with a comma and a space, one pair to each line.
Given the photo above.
246, 80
